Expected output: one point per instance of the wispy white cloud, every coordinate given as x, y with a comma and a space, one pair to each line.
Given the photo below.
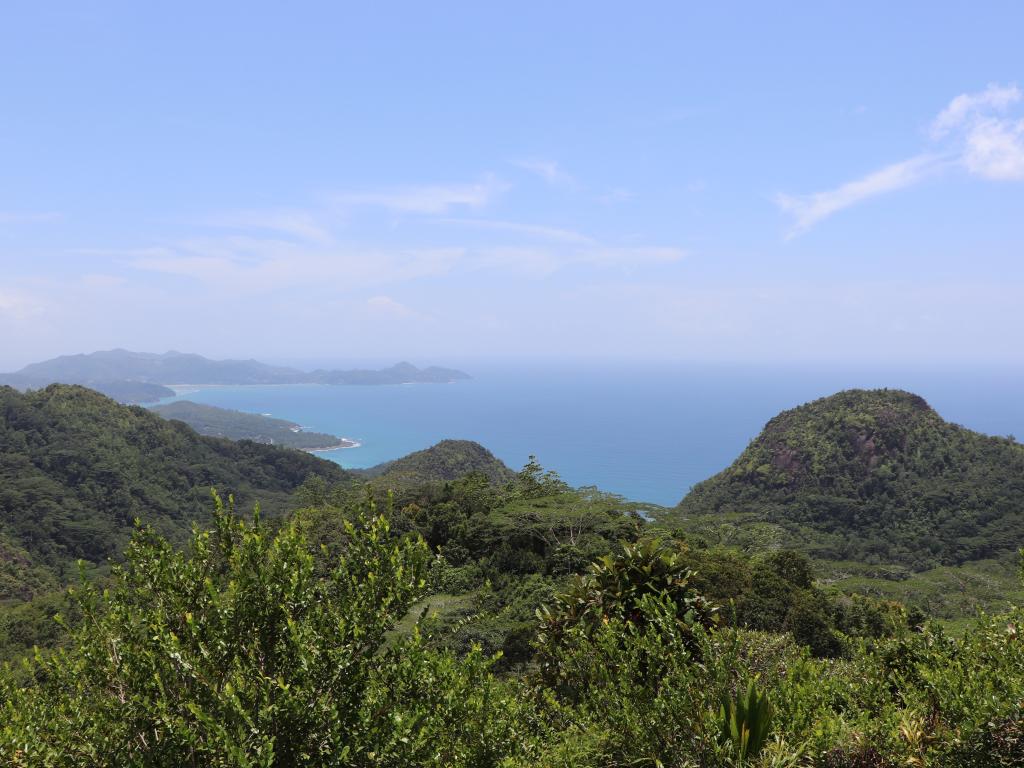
254, 266
633, 256
808, 210
995, 149
549, 170
971, 133
389, 307
20, 306
100, 281
317, 224
541, 261
617, 195
258, 260
298, 223
264, 253
429, 199
249, 265
528, 230
969, 105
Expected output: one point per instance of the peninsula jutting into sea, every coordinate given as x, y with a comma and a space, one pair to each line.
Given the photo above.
261, 428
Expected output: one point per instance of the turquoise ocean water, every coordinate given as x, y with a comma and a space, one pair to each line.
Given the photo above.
646, 432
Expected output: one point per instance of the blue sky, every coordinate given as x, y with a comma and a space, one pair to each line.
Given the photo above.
813, 182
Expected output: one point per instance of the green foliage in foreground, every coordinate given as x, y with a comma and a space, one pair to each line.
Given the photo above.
243, 651
618, 586
505, 551
261, 648
746, 721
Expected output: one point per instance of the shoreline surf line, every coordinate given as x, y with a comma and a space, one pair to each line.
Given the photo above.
346, 444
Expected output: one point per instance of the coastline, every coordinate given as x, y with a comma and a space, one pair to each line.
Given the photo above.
186, 389
345, 443
181, 390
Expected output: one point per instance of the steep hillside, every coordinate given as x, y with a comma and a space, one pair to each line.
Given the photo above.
76, 468
446, 461
875, 476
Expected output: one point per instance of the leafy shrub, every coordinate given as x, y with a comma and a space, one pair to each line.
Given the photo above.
999, 745
238, 652
746, 721
853, 757
617, 587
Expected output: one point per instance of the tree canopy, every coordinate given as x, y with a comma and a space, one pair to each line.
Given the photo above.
875, 476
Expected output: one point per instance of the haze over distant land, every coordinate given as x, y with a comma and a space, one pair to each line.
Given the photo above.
144, 376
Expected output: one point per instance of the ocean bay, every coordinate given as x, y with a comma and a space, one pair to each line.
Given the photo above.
646, 432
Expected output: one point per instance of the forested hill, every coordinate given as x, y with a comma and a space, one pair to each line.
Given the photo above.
122, 390
443, 462
877, 476
76, 468
236, 425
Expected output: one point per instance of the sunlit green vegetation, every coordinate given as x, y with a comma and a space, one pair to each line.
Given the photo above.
875, 476
236, 425
76, 469
447, 611
445, 461
886, 498
263, 645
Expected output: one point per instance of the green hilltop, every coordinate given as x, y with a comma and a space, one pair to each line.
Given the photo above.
446, 461
876, 476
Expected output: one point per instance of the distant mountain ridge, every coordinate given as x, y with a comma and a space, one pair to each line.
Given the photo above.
167, 368
138, 377
875, 476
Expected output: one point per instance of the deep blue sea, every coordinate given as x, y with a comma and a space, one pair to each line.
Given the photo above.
648, 432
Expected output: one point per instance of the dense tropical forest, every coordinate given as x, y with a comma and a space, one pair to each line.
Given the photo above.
235, 425
876, 476
77, 469
444, 610
885, 496
448, 460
